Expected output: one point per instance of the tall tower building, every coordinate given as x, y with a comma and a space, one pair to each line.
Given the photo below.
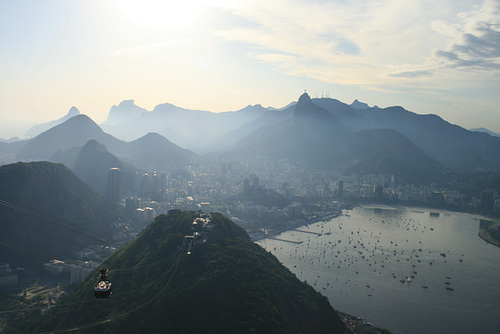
340, 189
114, 184
487, 199
378, 191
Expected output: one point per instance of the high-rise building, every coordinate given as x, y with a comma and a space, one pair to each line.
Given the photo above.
132, 203
487, 199
378, 191
246, 185
114, 184
340, 189
437, 197
163, 181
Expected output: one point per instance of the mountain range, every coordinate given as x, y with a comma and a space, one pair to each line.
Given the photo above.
448, 145
188, 128
322, 132
491, 133
81, 145
37, 129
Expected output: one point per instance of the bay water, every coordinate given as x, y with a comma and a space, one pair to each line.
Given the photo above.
405, 269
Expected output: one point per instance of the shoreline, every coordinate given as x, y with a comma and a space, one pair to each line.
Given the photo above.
471, 234
294, 224
483, 234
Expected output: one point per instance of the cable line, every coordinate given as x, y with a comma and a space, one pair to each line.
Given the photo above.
44, 232
173, 269
25, 250
50, 221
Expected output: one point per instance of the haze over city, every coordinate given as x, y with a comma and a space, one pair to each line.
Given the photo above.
429, 57
283, 166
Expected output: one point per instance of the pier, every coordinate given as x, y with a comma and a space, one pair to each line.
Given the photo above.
285, 240
310, 232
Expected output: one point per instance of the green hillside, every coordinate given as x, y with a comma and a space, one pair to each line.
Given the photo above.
227, 285
46, 211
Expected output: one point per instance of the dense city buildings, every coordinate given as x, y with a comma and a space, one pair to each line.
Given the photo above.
8, 277
217, 185
261, 195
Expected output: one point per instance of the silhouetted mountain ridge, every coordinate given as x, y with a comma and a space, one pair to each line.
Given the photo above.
325, 143
124, 112
37, 129
63, 143
155, 152
176, 123
318, 131
74, 132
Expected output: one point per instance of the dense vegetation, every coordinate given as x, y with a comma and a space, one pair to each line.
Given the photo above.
48, 212
227, 285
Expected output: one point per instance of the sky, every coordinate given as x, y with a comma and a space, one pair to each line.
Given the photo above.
440, 57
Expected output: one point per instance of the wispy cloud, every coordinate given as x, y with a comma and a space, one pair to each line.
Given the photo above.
476, 39
372, 44
412, 74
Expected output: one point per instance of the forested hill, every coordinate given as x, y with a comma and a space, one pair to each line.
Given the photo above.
227, 284
48, 212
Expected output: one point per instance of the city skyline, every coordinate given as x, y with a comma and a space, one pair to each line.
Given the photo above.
441, 58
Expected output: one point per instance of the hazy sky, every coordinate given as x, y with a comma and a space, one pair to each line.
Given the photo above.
439, 57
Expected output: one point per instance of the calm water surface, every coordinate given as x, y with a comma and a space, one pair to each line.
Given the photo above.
409, 270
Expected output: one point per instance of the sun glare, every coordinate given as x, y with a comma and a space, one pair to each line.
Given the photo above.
163, 13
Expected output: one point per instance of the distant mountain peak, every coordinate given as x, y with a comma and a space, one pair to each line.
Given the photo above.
253, 109
305, 108
37, 129
359, 105
73, 111
305, 98
127, 103
153, 136
94, 145
491, 133
74, 132
125, 111
81, 118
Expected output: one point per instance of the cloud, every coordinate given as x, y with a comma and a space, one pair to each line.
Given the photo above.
412, 74
395, 46
476, 39
341, 42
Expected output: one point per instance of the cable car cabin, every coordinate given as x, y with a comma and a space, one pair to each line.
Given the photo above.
103, 287
102, 290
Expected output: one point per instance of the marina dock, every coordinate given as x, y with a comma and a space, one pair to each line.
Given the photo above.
310, 232
285, 240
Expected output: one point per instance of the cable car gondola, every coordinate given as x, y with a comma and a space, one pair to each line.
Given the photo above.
103, 287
